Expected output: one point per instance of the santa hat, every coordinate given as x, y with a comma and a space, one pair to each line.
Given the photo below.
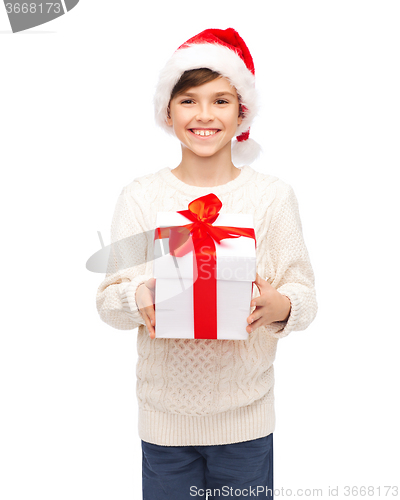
223, 51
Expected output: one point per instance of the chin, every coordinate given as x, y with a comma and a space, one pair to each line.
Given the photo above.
202, 154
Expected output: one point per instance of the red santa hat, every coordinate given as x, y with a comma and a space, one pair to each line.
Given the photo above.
223, 51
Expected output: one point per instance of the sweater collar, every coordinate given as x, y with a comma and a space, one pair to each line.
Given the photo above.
169, 178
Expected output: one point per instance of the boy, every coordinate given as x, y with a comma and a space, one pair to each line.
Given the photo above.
206, 407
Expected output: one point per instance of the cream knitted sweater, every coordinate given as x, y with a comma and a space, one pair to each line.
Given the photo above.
207, 392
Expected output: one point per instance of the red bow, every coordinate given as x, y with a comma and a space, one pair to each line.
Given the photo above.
202, 212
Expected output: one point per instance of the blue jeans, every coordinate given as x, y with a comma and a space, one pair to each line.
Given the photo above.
237, 470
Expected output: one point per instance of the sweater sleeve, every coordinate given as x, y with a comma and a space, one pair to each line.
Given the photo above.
289, 262
127, 266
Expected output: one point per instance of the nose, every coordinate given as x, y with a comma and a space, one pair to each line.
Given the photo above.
204, 114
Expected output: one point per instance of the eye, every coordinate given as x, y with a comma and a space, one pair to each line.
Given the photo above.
221, 101
187, 101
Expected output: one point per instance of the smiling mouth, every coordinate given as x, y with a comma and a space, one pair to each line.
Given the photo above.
203, 133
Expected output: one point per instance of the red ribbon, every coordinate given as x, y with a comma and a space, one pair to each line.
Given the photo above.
202, 212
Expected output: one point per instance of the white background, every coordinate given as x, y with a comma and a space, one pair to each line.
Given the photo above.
76, 125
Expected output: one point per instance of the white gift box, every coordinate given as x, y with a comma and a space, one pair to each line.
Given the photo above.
235, 272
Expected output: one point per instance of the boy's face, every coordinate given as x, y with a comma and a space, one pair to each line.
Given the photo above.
205, 118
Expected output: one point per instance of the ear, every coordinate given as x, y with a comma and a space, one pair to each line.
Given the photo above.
169, 119
240, 115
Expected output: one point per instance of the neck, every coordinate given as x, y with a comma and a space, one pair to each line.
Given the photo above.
206, 171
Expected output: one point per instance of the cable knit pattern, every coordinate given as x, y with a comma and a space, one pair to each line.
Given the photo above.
196, 391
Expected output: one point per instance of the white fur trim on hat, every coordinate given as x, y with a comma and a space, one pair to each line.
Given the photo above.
245, 152
217, 58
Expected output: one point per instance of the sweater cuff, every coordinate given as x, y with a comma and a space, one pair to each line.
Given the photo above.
280, 329
128, 294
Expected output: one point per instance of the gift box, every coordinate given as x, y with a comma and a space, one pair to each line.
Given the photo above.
204, 266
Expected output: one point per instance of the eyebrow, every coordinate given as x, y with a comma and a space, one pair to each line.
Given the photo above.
217, 94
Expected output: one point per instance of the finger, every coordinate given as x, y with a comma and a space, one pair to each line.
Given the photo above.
260, 281
255, 282
147, 322
256, 324
153, 319
254, 317
259, 301
149, 311
152, 332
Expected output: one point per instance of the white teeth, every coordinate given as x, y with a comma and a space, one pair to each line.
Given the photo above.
204, 132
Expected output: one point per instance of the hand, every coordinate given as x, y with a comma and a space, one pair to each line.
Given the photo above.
271, 306
145, 301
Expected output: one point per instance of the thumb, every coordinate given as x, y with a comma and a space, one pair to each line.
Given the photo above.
151, 283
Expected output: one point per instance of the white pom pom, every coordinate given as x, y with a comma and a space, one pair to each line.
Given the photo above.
245, 152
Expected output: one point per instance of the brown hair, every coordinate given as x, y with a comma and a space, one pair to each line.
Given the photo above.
195, 78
